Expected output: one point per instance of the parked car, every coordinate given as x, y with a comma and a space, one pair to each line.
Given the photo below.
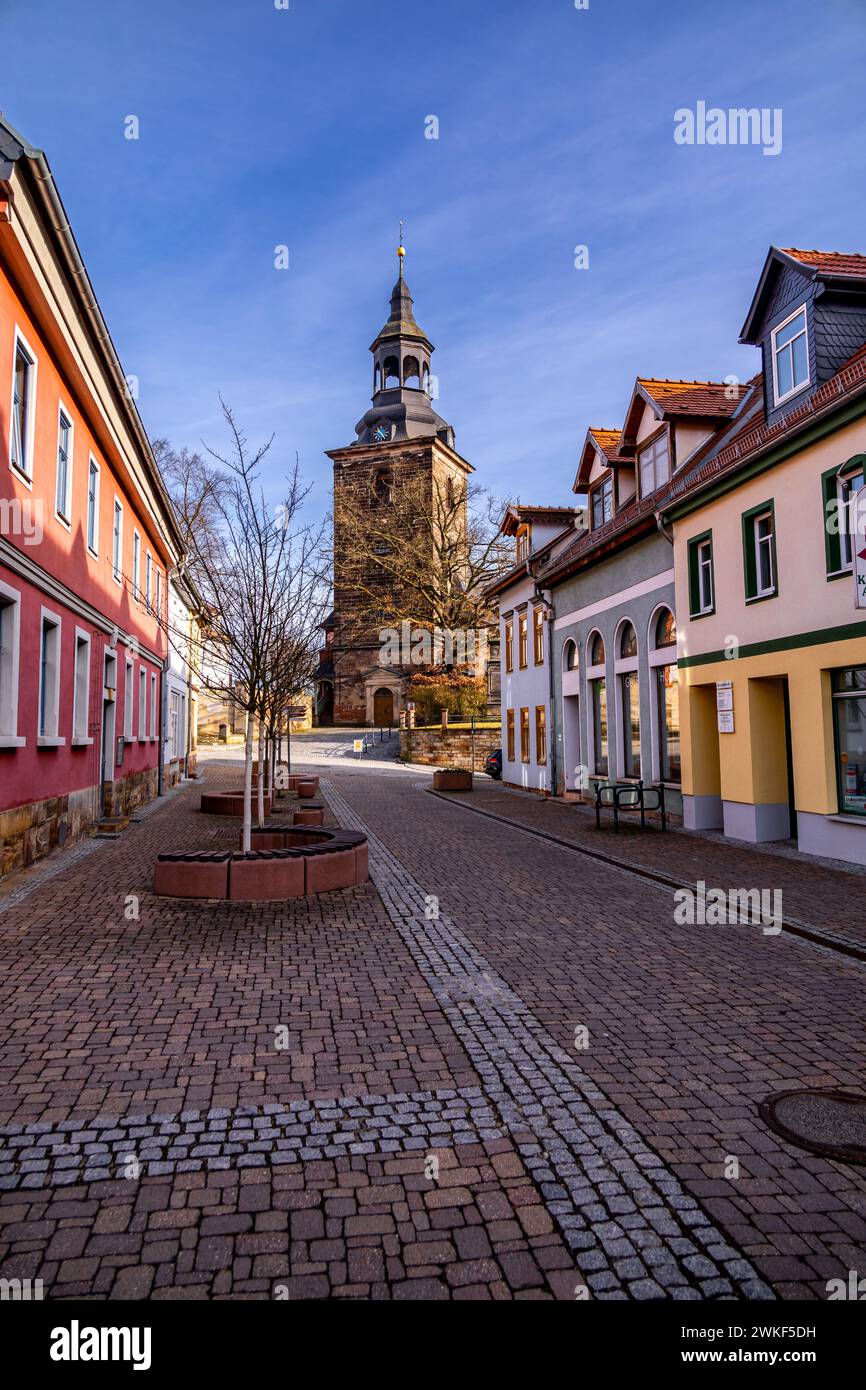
493, 764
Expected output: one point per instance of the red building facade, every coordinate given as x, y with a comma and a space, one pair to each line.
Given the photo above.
87, 540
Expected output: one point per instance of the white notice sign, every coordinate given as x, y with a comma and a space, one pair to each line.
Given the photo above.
725, 706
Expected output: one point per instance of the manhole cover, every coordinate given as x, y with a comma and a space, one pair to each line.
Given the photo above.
832, 1123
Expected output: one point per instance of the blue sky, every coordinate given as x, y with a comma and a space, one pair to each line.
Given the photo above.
305, 127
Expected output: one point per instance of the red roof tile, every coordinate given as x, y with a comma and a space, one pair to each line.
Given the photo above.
755, 436
607, 441
706, 398
830, 262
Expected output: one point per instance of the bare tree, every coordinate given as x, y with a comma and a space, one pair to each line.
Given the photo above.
420, 550
261, 576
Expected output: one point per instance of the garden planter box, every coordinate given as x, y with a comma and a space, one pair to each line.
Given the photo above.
264, 838
309, 815
452, 779
263, 877
229, 804
362, 863
292, 780
299, 860
327, 872
307, 787
192, 875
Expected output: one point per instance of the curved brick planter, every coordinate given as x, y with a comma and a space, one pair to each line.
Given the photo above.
229, 804
292, 780
452, 779
287, 862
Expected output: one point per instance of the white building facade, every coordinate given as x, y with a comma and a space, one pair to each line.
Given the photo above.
525, 619
180, 688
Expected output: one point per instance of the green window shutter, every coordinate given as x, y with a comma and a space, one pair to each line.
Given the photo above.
694, 592
749, 567
832, 545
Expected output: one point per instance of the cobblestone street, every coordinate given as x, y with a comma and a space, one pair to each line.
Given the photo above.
377, 1093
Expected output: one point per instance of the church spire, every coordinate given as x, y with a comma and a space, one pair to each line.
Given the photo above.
402, 377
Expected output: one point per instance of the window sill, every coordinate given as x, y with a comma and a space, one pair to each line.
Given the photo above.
848, 818
20, 474
761, 598
80, 741
779, 401
12, 741
707, 613
840, 574
50, 741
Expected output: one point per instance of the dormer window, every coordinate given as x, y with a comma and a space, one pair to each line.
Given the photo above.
790, 348
601, 502
654, 463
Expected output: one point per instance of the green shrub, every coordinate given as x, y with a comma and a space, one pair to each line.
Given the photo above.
461, 695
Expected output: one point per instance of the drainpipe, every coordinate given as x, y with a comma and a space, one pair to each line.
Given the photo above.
160, 775
664, 530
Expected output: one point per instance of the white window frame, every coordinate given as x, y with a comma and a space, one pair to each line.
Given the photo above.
592, 673
656, 658
757, 542
706, 545
662, 438
51, 737
623, 666
158, 597
154, 726
142, 703
845, 495
117, 541
92, 462
9, 669
81, 691
128, 699
148, 579
774, 352
136, 563
597, 490
64, 514
25, 473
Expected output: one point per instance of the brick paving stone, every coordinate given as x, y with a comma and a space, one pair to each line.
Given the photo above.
260, 1172
673, 1013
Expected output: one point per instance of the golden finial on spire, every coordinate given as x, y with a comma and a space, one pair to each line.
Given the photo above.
401, 250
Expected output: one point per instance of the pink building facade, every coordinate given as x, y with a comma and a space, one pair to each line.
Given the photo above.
87, 541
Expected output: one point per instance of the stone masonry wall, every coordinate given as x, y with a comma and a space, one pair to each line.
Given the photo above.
28, 833
432, 748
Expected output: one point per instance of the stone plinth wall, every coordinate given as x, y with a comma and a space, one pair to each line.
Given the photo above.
432, 748
28, 833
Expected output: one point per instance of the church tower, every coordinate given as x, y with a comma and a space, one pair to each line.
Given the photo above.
400, 440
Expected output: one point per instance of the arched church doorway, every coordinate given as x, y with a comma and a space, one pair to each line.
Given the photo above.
383, 707
325, 704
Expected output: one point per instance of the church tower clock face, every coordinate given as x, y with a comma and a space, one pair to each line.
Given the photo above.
382, 433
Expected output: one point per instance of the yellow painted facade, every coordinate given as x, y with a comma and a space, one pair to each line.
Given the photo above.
779, 768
